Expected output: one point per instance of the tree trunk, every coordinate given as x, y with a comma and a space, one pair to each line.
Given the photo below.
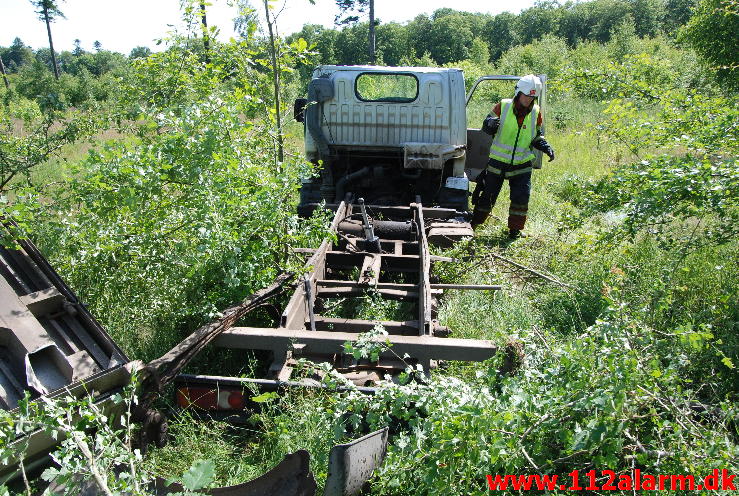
276, 82
5, 76
51, 42
373, 58
206, 40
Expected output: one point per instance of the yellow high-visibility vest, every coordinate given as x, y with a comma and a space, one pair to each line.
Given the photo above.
512, 144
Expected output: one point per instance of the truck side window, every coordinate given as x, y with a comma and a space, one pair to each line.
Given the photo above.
383, 87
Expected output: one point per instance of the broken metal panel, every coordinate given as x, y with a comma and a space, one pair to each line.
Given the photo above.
49, 345
351, 465
48, 340
36, 445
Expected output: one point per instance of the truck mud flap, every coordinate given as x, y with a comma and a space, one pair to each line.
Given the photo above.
291, 477
351, 465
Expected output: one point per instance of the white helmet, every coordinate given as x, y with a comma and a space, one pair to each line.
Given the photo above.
529, 85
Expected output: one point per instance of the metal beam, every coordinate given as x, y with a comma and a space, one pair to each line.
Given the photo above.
342, 292
424, 270
296, 309
404, 328
422, 348
216, 381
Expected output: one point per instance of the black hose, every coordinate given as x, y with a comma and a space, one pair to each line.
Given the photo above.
342, 183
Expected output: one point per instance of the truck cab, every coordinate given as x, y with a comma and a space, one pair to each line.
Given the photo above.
390, 135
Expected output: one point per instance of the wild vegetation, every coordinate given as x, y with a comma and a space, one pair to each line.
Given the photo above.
153, 184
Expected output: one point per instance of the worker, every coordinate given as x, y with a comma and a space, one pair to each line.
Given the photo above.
515, 125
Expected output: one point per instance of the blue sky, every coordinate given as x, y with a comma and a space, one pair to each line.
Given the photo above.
123, 24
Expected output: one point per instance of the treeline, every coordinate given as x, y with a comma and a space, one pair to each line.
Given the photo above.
449, 36
84, 75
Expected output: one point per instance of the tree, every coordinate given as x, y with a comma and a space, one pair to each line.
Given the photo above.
276, 82
139, 52
351, 45
535, 22
44, 55
106, 61
499, 34
712, 33
48, 11
452, 39
17, 55
97, 45
622, 39
392, 43
607, 14
576, 22
479, 52
355, 8
206, 35
246, 22
648, 16
419, 38
677, 14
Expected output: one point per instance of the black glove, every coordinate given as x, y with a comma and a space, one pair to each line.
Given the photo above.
541, 144
479, 187
490, 125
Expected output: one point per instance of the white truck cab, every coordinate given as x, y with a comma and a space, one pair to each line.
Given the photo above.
389, 134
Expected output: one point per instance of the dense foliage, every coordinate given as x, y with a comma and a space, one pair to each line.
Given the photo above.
712, 32
168, 203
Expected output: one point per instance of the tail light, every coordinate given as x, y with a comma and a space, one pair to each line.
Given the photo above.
210, 398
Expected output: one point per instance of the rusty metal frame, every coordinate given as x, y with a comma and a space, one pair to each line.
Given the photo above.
404, 248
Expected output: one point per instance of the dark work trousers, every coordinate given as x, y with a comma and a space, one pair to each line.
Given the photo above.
520, 185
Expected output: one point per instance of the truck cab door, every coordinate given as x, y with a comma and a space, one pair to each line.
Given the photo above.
482, 97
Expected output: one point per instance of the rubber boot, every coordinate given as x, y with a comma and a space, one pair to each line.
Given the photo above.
478, 218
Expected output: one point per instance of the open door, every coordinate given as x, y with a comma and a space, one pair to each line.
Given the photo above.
484, 94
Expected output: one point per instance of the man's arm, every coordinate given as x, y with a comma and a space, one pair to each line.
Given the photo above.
492, 121
540, 143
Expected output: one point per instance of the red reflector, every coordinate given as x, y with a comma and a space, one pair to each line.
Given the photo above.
203, 398
209, 399
236, 400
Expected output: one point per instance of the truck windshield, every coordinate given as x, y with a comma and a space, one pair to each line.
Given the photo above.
383, 87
